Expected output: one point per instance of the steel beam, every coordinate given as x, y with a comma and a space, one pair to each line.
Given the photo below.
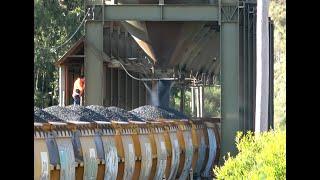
93, 64
229, 47
271, 75
156, 12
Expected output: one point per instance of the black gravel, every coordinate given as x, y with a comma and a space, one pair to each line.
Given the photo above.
100, 113
178, 114
43, 117
38, 115
108, 115
156, 112
98, 109
63, 113
87, 114
119, 114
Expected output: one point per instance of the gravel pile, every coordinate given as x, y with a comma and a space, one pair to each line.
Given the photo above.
178, 114
124, 115
43, 117
63, 113
100, 113
87, 114
156, 112
38, 115
98, 109
109, 115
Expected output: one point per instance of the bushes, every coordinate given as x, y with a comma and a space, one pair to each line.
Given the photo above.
260, 157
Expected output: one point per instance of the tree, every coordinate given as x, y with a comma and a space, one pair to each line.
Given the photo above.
212, 99
261, 156
54, 22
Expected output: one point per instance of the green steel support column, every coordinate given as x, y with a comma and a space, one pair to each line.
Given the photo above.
229, 50
251, 87
93, 64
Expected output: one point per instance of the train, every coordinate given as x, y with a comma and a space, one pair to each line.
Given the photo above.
115, 150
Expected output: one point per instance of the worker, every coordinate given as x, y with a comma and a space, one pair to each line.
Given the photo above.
76, 97
78, 89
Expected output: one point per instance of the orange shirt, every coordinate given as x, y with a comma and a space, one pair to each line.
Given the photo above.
78, 84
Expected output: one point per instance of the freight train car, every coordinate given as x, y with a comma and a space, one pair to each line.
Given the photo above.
80, 146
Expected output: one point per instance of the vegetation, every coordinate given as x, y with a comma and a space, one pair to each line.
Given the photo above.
211, 97
54, 22
262, 156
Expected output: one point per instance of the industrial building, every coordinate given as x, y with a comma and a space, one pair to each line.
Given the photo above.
132, 46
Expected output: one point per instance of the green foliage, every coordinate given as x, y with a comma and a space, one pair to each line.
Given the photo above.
175, 98
175, 95
262, 156
212, 99
187, 109
54, 22
211, 106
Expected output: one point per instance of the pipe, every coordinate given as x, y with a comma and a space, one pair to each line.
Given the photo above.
151, 79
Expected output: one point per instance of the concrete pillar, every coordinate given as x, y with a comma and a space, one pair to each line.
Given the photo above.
262, 81
93, 63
